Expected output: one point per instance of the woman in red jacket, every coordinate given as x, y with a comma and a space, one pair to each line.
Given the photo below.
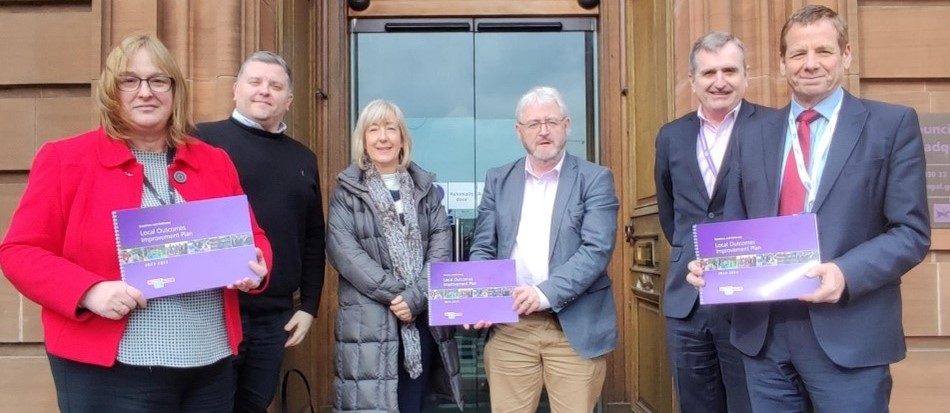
110, 350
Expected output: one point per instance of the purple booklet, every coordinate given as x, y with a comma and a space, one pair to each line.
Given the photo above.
762, 259
179, 248
471, 291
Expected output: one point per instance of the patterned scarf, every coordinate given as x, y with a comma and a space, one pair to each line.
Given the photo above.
405, 249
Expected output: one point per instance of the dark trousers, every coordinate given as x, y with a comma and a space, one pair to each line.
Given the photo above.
707, 368
793, 374
260, 355
85, 388
412, 392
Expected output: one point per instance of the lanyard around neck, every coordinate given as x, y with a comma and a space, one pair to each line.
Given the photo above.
707, 154
819, 153
169, 157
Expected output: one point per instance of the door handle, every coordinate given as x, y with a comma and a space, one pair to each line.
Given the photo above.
457, 240
428, 27
628, 232
520, 26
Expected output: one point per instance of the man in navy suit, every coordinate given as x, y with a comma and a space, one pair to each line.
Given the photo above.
859, 166
556, 216
692, 160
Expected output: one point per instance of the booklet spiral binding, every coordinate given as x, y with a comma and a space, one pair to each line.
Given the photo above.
428, 289
696, 254
118, 243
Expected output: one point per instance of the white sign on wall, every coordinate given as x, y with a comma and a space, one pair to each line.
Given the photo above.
461, 195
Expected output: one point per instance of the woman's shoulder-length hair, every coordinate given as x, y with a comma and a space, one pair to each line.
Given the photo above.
379, 112
112, 115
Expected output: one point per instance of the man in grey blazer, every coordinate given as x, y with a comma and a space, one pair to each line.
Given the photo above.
831, 350
692, 163
556, 216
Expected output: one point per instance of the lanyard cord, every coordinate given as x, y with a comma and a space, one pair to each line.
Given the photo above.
169, 156
820, 152
707, 153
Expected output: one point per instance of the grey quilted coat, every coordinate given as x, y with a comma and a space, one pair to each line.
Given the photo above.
367, 334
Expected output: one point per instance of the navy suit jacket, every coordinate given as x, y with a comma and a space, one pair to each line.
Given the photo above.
873, 223
583, 233
682, 199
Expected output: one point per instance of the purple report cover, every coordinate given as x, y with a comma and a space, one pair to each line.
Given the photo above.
761, 259
471, 291
179, 248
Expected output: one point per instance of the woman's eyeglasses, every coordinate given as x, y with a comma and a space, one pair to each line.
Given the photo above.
155, 83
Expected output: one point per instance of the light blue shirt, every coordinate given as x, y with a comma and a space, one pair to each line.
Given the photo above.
825, 108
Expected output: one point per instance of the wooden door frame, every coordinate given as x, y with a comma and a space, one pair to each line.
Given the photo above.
324, 119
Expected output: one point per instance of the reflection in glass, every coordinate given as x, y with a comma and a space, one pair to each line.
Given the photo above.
458, 91
429, 76
506, 66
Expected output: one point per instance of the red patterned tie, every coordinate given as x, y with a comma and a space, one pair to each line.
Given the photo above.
792, 197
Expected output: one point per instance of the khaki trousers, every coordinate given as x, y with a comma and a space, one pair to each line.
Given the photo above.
521, 358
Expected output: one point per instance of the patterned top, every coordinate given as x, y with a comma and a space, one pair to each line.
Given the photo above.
185, 330
392, 184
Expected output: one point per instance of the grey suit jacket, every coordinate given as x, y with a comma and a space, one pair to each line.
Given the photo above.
583, 233
682, 199
873, 223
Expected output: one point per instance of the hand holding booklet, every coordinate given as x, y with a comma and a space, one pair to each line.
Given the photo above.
763, 259
471, 291
179, 248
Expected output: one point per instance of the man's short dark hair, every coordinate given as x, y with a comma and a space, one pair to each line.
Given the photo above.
811, 14
264, 56
712, 42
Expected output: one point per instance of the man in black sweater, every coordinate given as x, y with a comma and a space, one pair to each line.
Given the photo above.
280, 178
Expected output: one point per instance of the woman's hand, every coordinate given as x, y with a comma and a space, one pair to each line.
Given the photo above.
249, 283
400, 308
112, 299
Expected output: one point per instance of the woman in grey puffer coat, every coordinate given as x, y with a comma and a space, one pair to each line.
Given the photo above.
386, 223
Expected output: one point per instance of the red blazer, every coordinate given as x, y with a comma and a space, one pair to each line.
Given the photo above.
61, 240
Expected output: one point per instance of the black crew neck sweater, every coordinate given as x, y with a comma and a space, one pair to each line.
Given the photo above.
279, 176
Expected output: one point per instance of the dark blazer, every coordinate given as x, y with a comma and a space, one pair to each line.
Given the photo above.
682, 199
873, 223
583, 233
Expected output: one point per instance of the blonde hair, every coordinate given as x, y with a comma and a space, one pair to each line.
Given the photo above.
378, 112
112, 115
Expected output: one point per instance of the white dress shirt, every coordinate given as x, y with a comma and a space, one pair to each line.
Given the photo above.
246, 121
716, 140
532, 249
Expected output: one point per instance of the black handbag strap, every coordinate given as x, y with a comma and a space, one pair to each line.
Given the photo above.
283, 390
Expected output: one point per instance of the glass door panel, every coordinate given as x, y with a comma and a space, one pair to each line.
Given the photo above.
429, 76
506, 66
458, 82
